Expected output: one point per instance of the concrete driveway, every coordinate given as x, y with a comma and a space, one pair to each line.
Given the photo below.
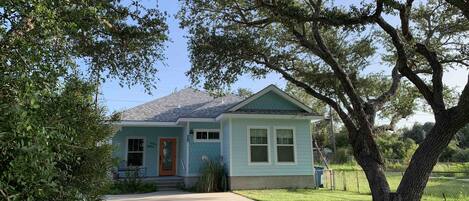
178, 196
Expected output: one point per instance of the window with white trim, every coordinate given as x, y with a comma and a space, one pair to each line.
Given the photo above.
285, 141
135, 151
259, 145
207, 135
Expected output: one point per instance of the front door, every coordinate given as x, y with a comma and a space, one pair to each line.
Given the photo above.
167, 157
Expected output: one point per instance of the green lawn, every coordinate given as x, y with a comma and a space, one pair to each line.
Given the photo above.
317, 195
352, 185
452, 188
302, 194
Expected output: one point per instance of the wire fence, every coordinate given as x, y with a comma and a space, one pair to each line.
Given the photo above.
441, 184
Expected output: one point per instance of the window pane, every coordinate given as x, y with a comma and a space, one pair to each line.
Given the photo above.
285, 154
213, 135
259, 154
130, 145
139, 144
167, 155
135, 145
284, 136
134, 159
201, 135
258, 136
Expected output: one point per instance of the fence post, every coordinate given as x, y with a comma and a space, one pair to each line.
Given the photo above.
358, 183
333, 179
345, 181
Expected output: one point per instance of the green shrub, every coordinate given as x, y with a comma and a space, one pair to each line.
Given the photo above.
343, 155
213, 177
449, 152
341, 139
461, 156
131, 184
395, 148
53, 142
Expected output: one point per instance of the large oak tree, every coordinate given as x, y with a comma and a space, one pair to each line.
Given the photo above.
330, 51
53, 135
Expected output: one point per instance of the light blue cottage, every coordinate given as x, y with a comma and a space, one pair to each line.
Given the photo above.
264, 141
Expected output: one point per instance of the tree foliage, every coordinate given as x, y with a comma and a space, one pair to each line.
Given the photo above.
462, 137
418, 132
53, 142
327, 51
395, 147
53, 54
110, 40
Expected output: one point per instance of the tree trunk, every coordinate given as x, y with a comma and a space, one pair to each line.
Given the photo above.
426, 156
377, 181
367, 155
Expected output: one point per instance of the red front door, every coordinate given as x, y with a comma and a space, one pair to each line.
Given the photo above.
167, 162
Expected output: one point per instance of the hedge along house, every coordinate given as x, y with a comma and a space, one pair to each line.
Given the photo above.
263, 141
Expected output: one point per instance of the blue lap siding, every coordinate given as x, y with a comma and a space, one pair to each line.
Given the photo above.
151, 135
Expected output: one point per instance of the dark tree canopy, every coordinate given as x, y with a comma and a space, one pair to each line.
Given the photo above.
113, 40
418, 132
53, 135
329, 51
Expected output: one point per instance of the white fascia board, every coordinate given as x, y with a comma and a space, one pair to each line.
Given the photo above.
145, 123
267, 116
196, 120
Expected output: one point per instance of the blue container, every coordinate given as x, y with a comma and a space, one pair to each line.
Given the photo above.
318, 171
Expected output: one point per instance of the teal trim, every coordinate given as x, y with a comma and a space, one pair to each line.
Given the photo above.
151, 135
239, 159
199, 149
226, 144
271, 101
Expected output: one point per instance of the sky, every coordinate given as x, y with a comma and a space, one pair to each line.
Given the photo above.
172, 76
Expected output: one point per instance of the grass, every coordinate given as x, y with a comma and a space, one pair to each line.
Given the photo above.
302, 194
352, 185
318, 195
452, 188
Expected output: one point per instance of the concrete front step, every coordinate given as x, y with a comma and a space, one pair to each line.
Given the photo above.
168, 189
166, 183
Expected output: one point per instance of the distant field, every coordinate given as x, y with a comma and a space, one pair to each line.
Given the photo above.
440, 167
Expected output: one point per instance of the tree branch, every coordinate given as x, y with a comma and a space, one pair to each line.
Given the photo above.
326, 55
404, 13
402, 63
343, 115
388, 127
396, 80
462, 5
437, 75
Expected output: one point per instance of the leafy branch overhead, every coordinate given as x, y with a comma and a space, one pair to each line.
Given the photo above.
53, 136
112, 40
365, 60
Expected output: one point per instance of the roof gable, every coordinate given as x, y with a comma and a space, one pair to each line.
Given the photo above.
271, 101
271, 98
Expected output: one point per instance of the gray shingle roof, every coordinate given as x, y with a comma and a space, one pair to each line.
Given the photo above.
186, 103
